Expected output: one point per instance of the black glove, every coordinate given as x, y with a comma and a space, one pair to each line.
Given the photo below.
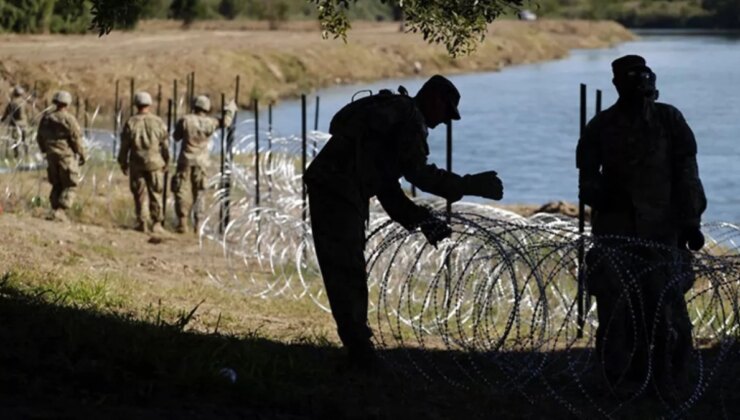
81, 159
691, 238
435, 230
484, 184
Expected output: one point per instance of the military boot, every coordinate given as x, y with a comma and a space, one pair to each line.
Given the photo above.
181, 225
158, 229
141, 227
59, 215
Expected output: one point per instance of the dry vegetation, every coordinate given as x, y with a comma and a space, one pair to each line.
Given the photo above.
272, 64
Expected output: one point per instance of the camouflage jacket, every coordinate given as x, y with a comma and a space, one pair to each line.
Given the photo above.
195, 131
144, 143
375, 141
59, 134
15, 113
639, 174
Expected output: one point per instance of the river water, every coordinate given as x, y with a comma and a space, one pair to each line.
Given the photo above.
523, 121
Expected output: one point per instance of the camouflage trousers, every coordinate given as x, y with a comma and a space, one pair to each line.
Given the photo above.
197, 177
339, 237
147, 186
63, 173
644, 331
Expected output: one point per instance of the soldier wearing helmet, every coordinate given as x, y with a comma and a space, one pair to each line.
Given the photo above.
195, 131
16, 118
375, 141
60, 139
143, 157
640, 177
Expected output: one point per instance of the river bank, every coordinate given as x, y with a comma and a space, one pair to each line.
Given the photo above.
272, 64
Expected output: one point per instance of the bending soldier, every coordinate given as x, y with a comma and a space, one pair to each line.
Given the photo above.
143, 156
60, 139
376, 140
16, 117
639, 174
195, 131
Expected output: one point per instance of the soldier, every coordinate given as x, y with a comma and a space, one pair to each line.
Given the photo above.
143, 156
15, 116
640, 177
376, 140
195, 130
60, 139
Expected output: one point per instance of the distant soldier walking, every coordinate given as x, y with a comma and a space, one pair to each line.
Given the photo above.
16, 118
143, 156
195, 131
60, 139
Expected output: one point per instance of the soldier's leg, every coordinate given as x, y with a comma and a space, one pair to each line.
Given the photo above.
137, 183
609, 283
70, 175
154, 180
53, 175
178, 180
198, 188
339, 238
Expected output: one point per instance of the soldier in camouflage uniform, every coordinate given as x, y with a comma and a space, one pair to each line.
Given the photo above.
16, 117
60, 139
375, 141
639, 174
144, 155
195, 131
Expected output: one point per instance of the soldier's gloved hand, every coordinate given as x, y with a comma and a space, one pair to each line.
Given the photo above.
691, 238
484, 184
124, 169
81, 159
435, 230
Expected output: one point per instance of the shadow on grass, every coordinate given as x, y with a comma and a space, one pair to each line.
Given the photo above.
58, 360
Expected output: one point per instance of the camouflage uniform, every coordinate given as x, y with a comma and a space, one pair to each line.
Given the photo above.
639, 175
60, 138
15, 116
375, 141
195, 131
145, 153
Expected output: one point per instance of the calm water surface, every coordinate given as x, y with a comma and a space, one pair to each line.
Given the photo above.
523, 121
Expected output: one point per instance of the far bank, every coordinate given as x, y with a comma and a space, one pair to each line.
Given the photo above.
272, 64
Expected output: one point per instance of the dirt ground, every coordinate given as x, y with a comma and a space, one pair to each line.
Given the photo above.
149, 272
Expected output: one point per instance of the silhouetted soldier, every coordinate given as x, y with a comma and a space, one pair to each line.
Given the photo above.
639, 175
376, 140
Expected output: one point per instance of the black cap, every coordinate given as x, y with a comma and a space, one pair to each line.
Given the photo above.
622, 65
444, 87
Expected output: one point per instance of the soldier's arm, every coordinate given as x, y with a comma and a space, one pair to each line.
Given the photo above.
400, 208
75, 138
689, 200
41, 134
588, 162
7, 112
415, 168
228, 117
125, 147
164, 143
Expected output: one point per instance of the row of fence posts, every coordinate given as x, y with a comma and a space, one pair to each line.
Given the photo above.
582, 298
